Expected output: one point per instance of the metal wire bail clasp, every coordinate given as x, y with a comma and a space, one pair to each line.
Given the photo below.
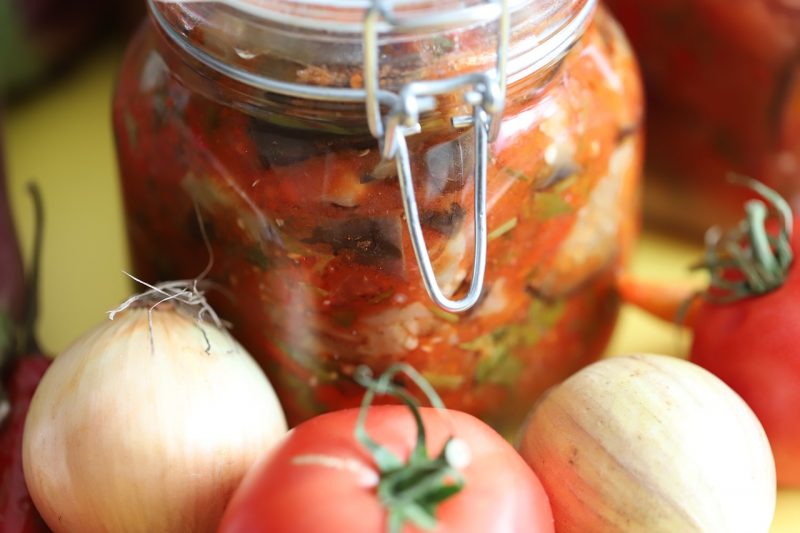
486, 96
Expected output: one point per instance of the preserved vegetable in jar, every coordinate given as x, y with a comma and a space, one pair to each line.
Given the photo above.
321, 205
723, 87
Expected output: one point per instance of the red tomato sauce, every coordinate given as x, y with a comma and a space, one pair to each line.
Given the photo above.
312, 256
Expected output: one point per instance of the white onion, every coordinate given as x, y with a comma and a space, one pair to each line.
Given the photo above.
125, 435
650, 444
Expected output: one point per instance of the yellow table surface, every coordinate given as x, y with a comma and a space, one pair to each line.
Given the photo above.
61, 138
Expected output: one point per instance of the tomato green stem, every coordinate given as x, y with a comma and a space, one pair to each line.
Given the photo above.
411, 491
748, 260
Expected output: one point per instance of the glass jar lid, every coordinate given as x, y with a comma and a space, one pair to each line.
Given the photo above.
320, 43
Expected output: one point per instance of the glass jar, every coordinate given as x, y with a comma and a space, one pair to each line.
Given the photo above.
723, 86
312, 251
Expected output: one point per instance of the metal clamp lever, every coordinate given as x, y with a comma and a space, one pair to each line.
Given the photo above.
487, 98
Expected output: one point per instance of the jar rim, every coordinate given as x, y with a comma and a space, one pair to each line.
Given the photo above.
559, 23
347, 16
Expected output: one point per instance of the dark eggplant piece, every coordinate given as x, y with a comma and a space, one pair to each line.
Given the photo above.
445, 222
369, 240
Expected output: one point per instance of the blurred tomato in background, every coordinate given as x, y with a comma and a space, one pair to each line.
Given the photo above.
723, 90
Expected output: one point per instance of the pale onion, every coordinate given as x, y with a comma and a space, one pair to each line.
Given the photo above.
650, 444
125, 435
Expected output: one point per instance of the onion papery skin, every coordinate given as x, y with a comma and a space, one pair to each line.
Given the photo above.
651, 444
125, 436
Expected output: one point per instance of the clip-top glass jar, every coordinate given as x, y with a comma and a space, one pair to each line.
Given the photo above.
333, 149
723, 88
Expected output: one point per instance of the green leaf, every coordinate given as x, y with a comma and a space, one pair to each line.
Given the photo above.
419, 516
383, 296
504, 228
440, 494
319, 291
542, 317
444, 315
546, 313
551, 205
396, 520
302, 394
443, 45
444, 381
484, 343
500, 368
497, 362
344, 318
255, 256
385, 460
306, 360
517, 174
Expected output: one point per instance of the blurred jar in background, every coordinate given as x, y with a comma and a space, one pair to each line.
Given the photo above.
40, 36
723, 84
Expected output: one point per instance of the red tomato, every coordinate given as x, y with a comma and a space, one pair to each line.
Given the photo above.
753, 345
322, 479
17, 513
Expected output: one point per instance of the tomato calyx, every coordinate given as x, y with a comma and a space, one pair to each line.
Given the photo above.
411, 491
752, 258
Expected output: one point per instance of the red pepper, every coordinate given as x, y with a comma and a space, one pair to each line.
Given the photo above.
17, 513
20, 375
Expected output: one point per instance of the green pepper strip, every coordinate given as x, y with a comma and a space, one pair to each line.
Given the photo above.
410, 491
763, 260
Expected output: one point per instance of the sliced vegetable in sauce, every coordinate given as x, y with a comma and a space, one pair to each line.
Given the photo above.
368, 239
444, 315
444, 381
497, 363
503, 228
551, 205
446, 222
